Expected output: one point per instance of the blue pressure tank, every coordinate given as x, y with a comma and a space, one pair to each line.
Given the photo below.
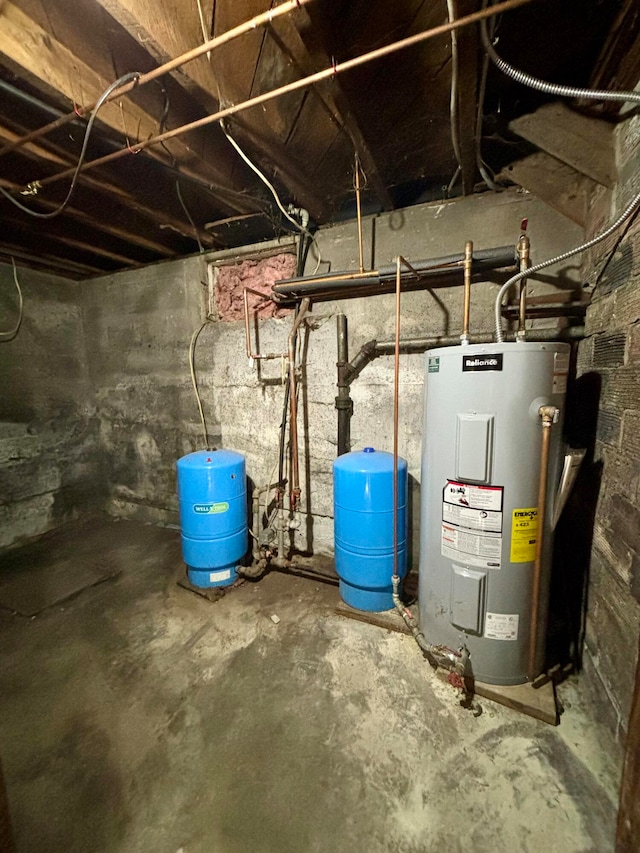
363, 527
212, 492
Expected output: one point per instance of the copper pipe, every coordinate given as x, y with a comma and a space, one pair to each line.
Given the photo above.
396, 407
294, 493
548, 415
171, 65
468, 268
524, 247
359, 213
247, 332
326, 73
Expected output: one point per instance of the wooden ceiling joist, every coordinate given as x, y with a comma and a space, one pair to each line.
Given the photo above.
53, 68
166, 31
304, 48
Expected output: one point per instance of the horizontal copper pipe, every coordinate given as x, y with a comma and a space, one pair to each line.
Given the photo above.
337, 68
178, 62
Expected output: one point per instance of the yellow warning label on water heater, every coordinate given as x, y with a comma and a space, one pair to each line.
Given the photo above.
524, 534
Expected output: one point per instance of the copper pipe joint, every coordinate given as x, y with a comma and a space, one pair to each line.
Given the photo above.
468, 269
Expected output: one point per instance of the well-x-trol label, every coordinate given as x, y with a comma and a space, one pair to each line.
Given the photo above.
211, 508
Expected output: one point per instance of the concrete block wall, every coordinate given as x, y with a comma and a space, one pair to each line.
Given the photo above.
609, 360
50, 463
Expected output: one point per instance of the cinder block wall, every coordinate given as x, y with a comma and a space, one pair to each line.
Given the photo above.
609, 364
50, 462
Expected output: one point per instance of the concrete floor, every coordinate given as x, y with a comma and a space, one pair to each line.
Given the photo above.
141, 718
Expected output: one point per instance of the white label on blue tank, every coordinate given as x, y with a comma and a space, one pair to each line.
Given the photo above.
215, 577
210, 509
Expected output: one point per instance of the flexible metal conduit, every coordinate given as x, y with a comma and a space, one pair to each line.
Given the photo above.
629, 210
556, 89
430, 273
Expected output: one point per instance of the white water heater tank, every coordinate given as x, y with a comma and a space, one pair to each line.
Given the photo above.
482, 439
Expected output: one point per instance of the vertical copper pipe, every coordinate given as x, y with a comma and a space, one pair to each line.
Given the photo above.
359, 212
524, 246
294, 493
548, 415
396, 406
468, 267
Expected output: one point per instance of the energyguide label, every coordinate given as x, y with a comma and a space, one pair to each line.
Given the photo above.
472, 524
524, 534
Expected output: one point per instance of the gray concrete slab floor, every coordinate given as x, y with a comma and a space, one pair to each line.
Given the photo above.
140, 718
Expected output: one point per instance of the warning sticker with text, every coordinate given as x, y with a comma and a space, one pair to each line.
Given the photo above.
477, 497
472, 524
524, 534
474, 549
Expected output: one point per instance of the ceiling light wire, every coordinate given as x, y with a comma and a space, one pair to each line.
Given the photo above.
126, 78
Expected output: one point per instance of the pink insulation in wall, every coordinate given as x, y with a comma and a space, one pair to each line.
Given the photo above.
259, 275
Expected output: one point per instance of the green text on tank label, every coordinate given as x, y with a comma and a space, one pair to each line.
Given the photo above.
210, 509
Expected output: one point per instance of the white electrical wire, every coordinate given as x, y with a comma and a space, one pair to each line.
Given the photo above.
194, 381
275, 195
5, 337
453, 102
629, 210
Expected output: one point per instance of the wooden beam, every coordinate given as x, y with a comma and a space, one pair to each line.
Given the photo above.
168, 28
47, 260
555, 183
467, 94
159, 219
628, 831
618, 65
304, 48
586, 144
166, 31
52, 67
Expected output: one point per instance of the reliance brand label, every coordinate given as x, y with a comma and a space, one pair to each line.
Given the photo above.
482, 362
210, 509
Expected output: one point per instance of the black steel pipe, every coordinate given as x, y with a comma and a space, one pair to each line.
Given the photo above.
344, 403
374, 349
432, 272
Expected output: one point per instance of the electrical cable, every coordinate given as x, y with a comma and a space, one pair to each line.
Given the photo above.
5, 337
482, 89
453, 101
273, 192
630, 209
194, 381
550, 88
188, 215
126, 78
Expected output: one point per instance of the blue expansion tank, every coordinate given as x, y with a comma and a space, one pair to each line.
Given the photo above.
363, 527
212, 491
